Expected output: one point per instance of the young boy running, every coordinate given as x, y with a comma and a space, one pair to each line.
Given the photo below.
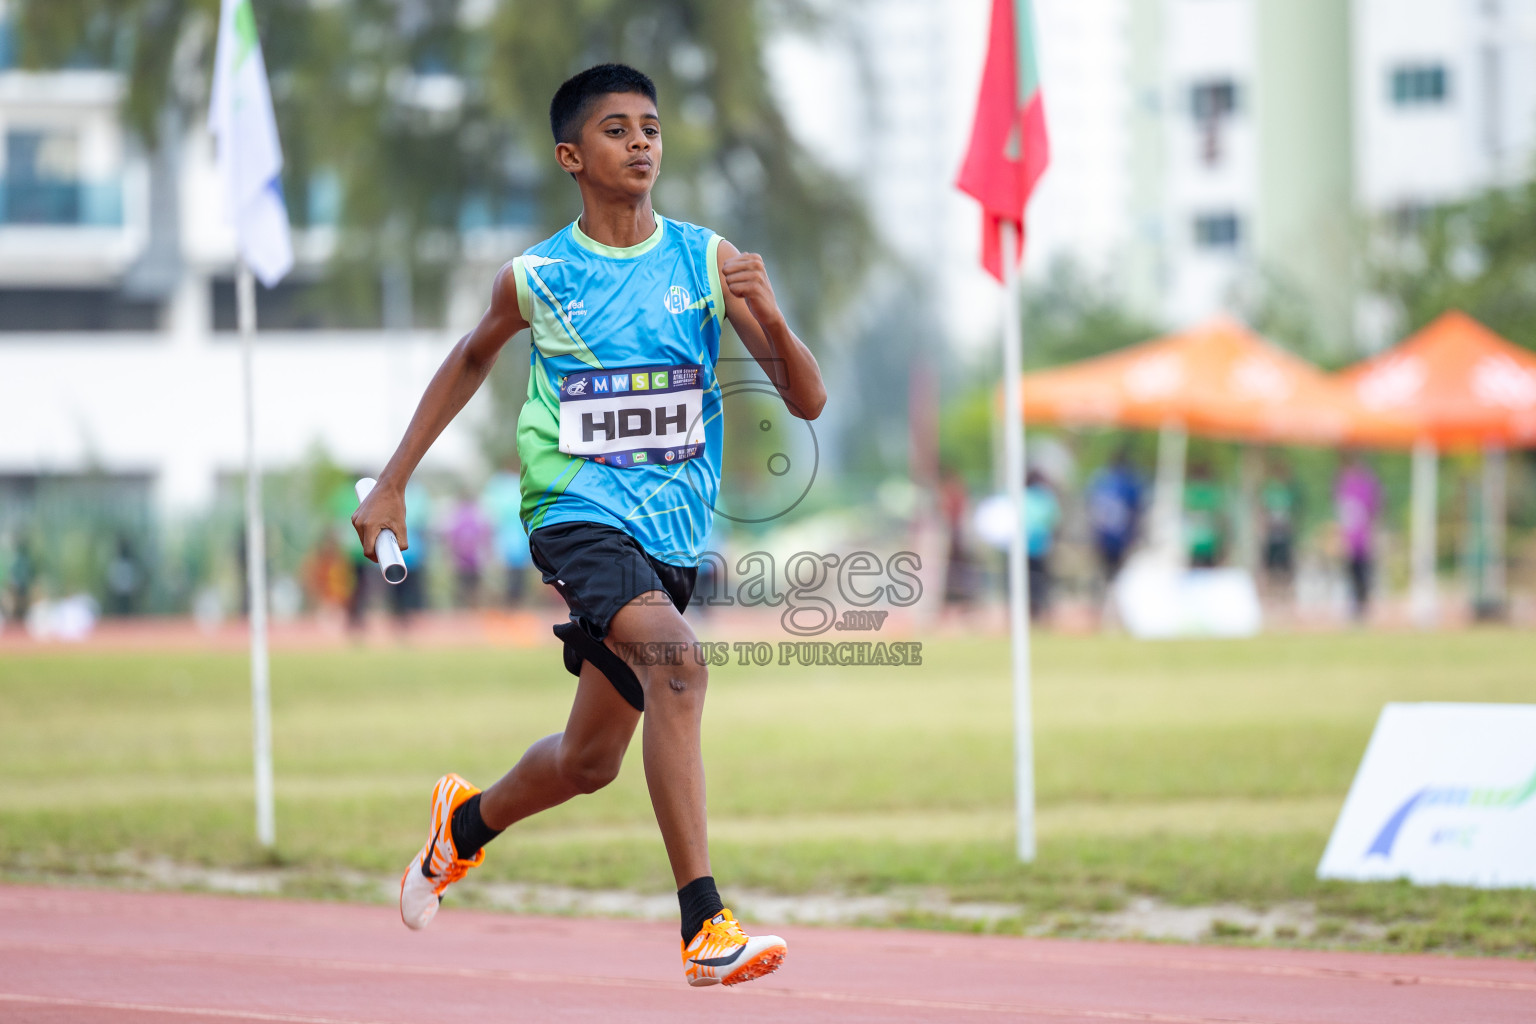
620, 447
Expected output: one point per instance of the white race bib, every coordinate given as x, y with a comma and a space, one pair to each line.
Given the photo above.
637, 416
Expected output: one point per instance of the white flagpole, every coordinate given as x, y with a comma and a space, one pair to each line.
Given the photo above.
256, 567
1018, 575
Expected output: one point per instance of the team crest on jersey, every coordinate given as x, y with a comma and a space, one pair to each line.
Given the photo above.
678, 299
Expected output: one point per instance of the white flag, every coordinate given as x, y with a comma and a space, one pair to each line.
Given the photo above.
250, 157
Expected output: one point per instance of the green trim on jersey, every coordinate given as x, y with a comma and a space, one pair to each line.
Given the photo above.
545, 466
613, 252
524, 294
716, 292
553, 332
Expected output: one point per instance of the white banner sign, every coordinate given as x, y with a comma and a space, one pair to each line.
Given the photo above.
1445, 795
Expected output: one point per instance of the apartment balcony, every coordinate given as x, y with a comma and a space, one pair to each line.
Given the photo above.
70, 233
61, 204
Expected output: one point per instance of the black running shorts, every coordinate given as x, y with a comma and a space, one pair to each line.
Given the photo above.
599, 569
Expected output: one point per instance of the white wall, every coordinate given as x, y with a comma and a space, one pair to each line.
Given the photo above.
1206, 41
86, 103
886, 99
173, 405
1081, 211
1485, 131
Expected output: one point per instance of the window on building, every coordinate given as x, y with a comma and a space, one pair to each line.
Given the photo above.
1212, 100
43, 186
1410, 217
1221, 230
7, 42
1420, 84
42, 183
299, 304
1212, 103
74, 309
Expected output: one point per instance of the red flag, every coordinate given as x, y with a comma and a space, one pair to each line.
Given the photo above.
1009, 149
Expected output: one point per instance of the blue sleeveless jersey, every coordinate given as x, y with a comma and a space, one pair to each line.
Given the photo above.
593, 307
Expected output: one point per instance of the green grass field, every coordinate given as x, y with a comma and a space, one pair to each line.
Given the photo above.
1193, 773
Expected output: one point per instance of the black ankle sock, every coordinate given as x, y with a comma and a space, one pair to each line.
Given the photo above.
470, 832
699, 901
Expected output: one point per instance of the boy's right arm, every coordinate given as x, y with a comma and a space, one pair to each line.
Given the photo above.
452, 386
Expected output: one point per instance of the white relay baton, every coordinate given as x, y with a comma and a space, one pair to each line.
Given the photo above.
385, 546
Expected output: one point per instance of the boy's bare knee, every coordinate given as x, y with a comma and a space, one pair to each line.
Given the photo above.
589, 770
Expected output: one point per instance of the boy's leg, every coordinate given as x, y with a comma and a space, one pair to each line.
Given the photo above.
674, 712
715, 950
582, 759
588, 754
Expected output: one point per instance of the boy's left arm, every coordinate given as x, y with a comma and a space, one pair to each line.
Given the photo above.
754, 312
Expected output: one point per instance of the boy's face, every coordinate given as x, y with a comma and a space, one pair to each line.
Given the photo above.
620, 147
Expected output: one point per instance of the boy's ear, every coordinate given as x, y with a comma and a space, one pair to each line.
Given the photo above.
568, 156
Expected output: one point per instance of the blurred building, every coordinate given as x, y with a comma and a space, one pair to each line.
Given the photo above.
1203, 152
1255, 138
118, 358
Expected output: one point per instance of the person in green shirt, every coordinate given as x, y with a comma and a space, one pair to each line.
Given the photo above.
1204, 517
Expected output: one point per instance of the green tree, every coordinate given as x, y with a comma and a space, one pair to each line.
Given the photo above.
1071, 315
422, 119
371, 98
1478, 256
730, 158
1067, 316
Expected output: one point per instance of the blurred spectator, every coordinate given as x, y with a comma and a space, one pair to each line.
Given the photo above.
329, 578
503, 499
1279, 514
1357, 503
244, 569
1114, 512
469, 536
124, 580
365, 584
960, 570
23, 574
1042, 517
1204, 517
409, 597
5, 579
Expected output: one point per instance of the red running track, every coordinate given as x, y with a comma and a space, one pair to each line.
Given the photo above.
91, 956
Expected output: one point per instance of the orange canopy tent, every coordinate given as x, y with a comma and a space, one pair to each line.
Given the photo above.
1463, 386
1219, 379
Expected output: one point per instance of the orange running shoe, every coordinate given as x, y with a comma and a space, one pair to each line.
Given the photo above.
437, 866
722, 954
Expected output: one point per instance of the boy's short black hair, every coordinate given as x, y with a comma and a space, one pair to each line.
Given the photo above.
573, 101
